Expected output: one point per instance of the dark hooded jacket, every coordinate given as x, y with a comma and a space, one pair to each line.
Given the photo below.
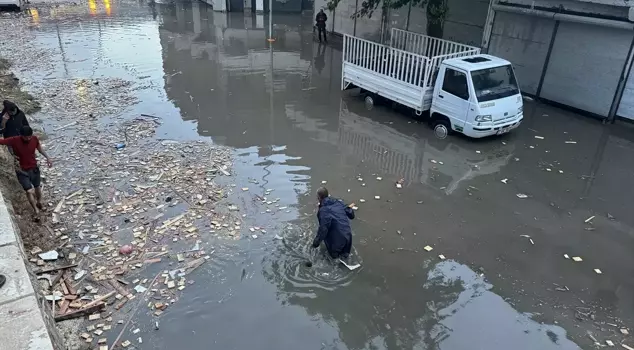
321, 19
334, 227
15, 122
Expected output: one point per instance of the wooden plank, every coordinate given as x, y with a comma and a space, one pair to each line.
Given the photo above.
39, 272
81, 312
69, 285
63, 307
120, 289
64, 289
100, 299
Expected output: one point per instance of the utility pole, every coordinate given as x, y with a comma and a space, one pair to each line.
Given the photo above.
270, 39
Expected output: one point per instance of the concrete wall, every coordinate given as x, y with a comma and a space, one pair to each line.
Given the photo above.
576, 6
523, 40
464, 21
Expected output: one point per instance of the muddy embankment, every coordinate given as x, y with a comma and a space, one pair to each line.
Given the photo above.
29, 233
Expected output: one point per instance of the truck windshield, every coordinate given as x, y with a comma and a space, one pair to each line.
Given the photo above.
493, 83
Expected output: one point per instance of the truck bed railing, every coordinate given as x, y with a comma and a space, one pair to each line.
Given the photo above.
404, 66
437, 50
426, 45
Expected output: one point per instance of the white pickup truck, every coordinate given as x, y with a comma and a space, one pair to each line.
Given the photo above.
12, 3
461, 90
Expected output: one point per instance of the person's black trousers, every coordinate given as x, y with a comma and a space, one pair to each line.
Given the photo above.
322, 30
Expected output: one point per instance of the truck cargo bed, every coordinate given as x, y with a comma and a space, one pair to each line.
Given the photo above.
403, 71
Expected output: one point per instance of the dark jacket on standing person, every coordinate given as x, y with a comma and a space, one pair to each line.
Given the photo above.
15, 122
321, 19
334, 227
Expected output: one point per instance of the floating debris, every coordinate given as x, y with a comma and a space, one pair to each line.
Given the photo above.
577, 258
140, 289
521, 196
598, 271
50, 255
428, 248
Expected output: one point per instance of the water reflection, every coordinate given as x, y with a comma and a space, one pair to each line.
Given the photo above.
419, 158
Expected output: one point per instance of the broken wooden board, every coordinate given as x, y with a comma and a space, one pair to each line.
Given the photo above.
81, 312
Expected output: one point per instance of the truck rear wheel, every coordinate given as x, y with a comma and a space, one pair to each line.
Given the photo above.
369, 101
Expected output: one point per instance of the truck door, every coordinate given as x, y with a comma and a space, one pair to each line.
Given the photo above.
451, 96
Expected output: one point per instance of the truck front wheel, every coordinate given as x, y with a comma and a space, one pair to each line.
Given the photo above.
442, 128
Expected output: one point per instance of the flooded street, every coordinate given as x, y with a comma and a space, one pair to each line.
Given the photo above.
505, 283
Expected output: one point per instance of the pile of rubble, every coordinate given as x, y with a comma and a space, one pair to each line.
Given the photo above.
123, 200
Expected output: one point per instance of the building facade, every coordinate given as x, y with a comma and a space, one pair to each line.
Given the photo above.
575, 53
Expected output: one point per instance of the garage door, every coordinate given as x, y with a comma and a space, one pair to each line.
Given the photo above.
585, 65
626, 108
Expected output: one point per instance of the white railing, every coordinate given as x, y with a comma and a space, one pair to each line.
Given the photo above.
426, 45
437, 60
405, 66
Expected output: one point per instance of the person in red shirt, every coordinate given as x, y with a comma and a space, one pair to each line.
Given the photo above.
24, 147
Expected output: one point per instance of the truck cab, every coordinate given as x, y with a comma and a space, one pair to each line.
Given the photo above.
476, 95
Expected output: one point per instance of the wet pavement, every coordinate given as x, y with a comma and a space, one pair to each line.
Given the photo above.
211, 75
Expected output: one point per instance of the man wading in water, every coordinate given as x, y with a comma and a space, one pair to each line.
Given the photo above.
24, 147
334, 225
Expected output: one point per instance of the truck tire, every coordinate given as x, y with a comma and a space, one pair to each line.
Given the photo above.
442, 128
369, 101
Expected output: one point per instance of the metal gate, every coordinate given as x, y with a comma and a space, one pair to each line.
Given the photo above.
585, 65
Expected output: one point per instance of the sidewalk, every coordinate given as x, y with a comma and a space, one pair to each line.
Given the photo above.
22, 325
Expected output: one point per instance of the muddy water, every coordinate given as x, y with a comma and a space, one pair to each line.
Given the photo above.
214, 76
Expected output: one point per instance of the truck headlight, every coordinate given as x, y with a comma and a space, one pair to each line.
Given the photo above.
483, 118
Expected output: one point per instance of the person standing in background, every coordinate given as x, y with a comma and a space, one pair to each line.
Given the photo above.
321, 19
13, 119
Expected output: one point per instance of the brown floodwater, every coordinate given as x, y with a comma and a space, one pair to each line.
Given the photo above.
214, 76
